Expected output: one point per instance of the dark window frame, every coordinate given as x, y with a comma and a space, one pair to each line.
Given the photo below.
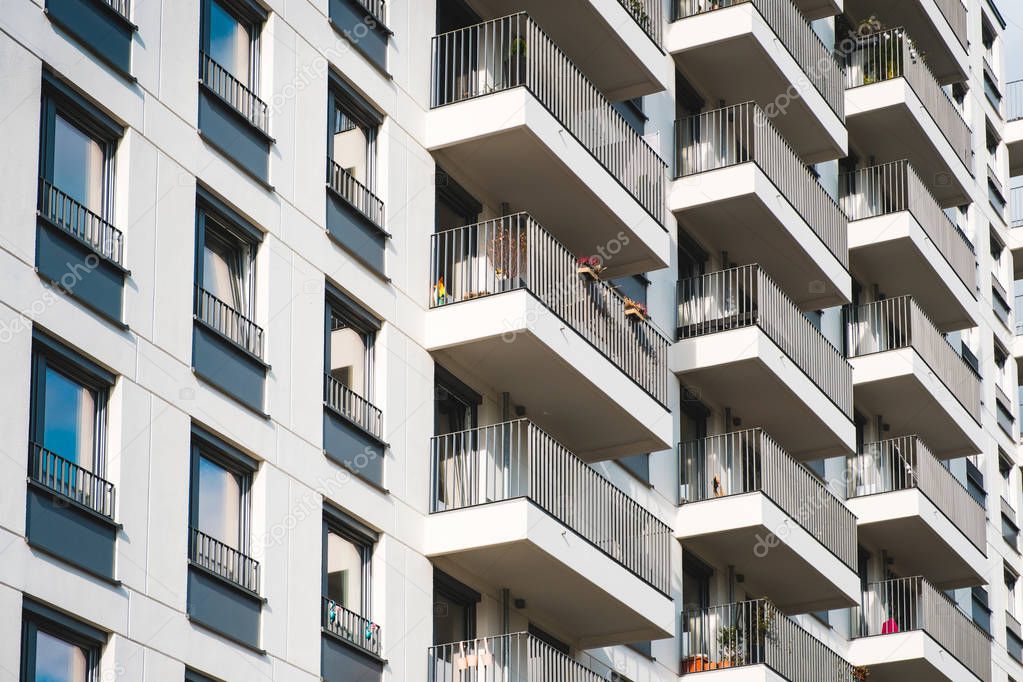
207, 448
246, 13
226, 228
456, 591
343, 99
39, 618
357, 318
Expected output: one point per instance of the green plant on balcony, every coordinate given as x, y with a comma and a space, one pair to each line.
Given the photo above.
730, 639
639, 13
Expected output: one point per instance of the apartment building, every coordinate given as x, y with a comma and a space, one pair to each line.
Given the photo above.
534, 341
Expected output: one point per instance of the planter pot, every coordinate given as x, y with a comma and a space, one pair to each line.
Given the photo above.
587, 270
635, 313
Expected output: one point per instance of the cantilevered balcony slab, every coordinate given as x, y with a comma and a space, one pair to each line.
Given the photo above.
629, 63
746, 503
907, 503
819, 9
743, 190
734, 54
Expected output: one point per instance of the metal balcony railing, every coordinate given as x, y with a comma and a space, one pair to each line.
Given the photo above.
751, 461
896, 187
515, 252
515, 52
905, 463
350, 626
88, 227
223, 560
891, 54
955, 13
375, 7
352, 406
517, 459
756, 633
235, 93
355, 193
649, 14
229, 322
746, 296
895, 323
518, 657
743, 133
69, 480
906, 604
1014, 100
122, 7
1016, 207
795, 33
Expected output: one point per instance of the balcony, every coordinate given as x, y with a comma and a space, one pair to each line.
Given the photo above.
897, 110
906, 501
1014, 126
747, 504
509, 503
742, 189
732, 638
223, 589
518, 657
764, 50
909, 630
901, 240
349, 644
938, 26
500, 113
819, 9
746, 346
630, 61
353, 431
508, 301
905, 371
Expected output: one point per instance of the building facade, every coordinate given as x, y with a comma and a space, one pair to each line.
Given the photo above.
508, 341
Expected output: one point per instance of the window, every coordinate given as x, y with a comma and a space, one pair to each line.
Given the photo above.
352, 140
350, 335
56, 648
347, 586
230, 38
455, 404
226, 264
980, 611
454, 609
1010, 589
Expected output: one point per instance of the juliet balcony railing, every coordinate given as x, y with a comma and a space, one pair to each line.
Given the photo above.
649, 14
514, 52
517, 459
755, 633
795, 33
907, 604
234, 93
69, 480
515, 252
72, 217
746, 297
894, 323
122, 7
221, 317
352, 406
350, 626
518, 657
355, 193
896, 187
751, 461
905, 463
891, 54
223, 560
377, 8
743, 133
1014, 100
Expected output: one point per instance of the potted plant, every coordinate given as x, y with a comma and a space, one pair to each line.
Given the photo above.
635, 309
589, 265
730, 644
860, 673
515, 63
639, 13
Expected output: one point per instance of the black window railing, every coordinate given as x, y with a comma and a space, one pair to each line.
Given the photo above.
87, 226
355, 193
122, 7
350, 626
69, 480
221, 317
352, 406
235, 93
649, 15
223, 560
377, 8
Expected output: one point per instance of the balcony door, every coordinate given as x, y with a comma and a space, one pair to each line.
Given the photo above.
454, 456
695, 600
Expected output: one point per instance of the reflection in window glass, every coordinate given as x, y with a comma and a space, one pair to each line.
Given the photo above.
220, 503
344, 572
78, 165
59, 661
348, 355
69, 419
230, 43
225, 268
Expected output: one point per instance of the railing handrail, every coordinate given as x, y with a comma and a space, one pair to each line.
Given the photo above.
518, 459
905, 463
122, 7
898, 322
1014, 100
350, 626
352, 406
906, 63
955, 14
720, 138
356, 193
817, 61
224, 561
499, 61
653, 11
222, 317
377, 8
714, 302
749, 461
518, 656
237, 95
515, 252
71, 480
892, 187
71, 216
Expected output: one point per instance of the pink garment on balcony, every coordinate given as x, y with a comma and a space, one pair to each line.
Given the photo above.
889, 627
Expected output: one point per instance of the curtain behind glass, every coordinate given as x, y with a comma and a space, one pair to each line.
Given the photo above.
344, 572
220, 503
59, 661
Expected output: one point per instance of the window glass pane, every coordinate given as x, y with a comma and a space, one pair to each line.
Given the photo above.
78, 165
59, 661
351, 146
347, 355
225, 267
230, 44
220, 503
449, 620
344, 572
69, 419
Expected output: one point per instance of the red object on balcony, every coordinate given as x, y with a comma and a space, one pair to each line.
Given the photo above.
889, 627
